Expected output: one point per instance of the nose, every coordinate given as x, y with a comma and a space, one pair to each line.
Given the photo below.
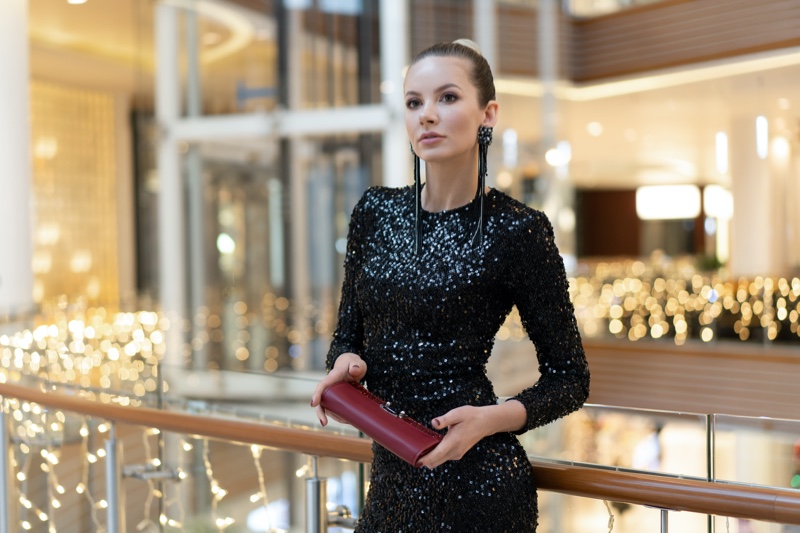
427, 114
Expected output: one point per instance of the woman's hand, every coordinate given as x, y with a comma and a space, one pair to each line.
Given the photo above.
467, 425
348, 367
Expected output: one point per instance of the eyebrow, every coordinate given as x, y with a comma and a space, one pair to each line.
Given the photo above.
437, 90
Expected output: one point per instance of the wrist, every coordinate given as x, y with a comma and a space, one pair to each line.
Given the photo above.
506, 417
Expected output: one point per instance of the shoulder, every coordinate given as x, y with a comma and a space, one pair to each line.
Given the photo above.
519, 220
377, 200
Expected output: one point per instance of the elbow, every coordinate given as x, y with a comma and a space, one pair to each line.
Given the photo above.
584, 386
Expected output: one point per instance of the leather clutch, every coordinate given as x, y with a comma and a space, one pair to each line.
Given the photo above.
395, 431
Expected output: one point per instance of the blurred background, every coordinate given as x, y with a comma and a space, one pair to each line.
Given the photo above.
186, 169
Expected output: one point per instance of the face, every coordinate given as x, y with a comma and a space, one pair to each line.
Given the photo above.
442, 109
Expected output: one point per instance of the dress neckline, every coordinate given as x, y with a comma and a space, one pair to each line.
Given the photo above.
466, 207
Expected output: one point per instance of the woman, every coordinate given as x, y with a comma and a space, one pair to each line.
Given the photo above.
431, 273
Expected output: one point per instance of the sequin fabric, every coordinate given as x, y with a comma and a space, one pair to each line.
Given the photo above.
425, 324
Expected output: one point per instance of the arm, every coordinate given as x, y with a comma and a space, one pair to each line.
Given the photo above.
468, 424
536, 279
541, 293
343, 361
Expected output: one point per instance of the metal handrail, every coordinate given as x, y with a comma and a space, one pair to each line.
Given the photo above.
660, 491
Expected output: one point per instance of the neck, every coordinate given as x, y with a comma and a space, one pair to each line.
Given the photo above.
450, 185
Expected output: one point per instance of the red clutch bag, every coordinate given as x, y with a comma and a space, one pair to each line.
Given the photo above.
401, 435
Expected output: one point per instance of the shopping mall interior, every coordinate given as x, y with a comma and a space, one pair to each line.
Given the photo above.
177, 180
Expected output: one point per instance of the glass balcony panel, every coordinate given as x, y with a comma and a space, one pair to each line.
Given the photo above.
559, 513
173, 481
757, 450
741, 525
637, 439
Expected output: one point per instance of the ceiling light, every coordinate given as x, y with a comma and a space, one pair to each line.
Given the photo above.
76, 2
595, 129
762, 136
667, 202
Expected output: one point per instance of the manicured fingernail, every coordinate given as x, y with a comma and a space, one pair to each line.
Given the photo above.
436, 422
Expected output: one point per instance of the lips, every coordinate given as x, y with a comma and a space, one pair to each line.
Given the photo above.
430, 137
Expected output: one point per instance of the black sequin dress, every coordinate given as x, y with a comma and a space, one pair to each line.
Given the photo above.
425, 325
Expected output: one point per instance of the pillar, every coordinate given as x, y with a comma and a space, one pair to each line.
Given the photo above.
751, 235
171, 234
554, 181
394, 34
16, 246
484, 22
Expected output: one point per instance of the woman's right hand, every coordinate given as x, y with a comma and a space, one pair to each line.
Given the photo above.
348, 367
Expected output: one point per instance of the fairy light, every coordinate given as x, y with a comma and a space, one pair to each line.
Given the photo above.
680, 303
262, 494
115, 356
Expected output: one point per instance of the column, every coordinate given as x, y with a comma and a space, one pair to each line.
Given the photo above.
195, 189
751, 234
297, 155
555, 183
783, 181
16, 222
484, 22
171, 235
394, 57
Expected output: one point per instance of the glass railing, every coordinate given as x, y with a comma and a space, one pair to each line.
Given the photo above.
184, 480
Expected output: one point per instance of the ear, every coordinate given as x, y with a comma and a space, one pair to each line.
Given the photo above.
490, 114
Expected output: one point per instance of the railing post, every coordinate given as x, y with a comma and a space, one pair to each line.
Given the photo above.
664, 518
4, 518
114, 512
316, 499
711, 431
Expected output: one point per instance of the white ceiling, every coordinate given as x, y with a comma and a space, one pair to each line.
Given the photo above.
648, 134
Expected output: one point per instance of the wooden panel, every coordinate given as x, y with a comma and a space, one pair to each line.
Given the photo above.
678, 33
440, 21
723, 378
607, 223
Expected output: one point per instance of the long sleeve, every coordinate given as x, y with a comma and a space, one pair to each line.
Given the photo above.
538, 283
349, 333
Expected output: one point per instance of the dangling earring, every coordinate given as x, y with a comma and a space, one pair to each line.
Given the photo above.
417, 203
484, 140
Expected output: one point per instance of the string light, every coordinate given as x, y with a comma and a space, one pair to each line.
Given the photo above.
115, 358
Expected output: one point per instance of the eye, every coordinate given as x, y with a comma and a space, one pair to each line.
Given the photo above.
449, 97
413, 103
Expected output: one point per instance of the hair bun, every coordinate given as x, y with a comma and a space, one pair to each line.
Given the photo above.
469, 43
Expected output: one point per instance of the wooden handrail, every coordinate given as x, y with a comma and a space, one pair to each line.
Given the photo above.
692, 495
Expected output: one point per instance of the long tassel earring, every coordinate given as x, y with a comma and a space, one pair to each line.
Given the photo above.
417, 204
484, 140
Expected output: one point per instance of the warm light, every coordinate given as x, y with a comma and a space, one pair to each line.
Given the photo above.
762, 136
718, 202
595, 129
505, 179
667, 202
559, 156
780, 148
225, 244
76, 2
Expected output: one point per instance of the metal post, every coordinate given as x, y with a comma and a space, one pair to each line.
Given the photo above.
316, 498
114, 512
4, 518
664, 525
710, 459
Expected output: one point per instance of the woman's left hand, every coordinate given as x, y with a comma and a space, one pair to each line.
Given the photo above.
467, 425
